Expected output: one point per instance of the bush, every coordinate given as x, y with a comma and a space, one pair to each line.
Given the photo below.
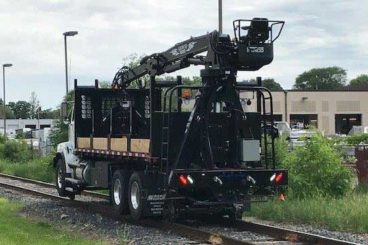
316, 169
281, 150
2, 139
59, 133
357, 139
15, 151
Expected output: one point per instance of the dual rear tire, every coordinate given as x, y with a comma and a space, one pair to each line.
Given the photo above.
126, 194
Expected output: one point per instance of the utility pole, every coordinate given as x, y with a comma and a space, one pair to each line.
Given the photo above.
220, 15
4, 104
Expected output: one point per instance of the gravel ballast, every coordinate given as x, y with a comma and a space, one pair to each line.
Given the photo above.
341, 235
93, 226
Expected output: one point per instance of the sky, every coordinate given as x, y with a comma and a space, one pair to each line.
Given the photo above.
318, 33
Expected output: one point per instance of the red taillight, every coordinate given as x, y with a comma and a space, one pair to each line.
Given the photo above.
182, 180
278, 178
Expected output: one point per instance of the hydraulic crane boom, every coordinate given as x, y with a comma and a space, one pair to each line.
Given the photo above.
251, 49
181, 55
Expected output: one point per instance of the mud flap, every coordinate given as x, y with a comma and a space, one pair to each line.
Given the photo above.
154, 204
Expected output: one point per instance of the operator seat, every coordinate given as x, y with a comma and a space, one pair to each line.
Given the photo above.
258, 31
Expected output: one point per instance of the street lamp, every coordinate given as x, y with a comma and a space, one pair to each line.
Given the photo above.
4, 104
67, 34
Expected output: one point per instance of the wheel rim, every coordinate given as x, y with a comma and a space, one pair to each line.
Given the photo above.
117, 192
60, 178
135, 195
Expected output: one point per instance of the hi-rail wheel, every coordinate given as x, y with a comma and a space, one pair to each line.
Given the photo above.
135, 196
118, 192
60, 180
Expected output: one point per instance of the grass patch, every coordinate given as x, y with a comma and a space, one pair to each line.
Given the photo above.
348, 213
38, 169
17, 159
19, 230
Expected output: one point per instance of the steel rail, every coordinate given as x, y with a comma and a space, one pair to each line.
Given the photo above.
107, 211
51, 185
288, 234
180, 229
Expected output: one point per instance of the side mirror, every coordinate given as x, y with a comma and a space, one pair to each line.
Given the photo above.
64, 111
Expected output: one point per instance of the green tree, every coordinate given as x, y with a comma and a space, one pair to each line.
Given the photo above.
49, 114
194, 81
189, 81
132, 61
321, 79
21, 109
269, 83
59, 133
9, 113
69, 98
272, 85
360, 80
105, 84
35, 104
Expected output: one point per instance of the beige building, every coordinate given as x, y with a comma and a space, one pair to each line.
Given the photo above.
333, 112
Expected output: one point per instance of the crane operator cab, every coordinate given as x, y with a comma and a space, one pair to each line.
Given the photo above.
254, 39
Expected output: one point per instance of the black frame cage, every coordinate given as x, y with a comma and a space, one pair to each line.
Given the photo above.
164, 125
258, 29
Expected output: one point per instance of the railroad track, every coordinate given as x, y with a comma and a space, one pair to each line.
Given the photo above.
278, 234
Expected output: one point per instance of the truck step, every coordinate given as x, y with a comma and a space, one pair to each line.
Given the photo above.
74, 164
73, 181
69, 189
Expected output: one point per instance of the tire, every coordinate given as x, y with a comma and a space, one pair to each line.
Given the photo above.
118, 192
71, 195
135, 196
60, 178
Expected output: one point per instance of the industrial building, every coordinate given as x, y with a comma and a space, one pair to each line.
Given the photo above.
331, 112
12, 125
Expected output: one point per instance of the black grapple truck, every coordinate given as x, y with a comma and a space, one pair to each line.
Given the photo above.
156, 156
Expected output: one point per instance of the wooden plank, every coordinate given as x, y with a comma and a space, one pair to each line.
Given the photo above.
83, 142
100, 143
140, 145
119, 144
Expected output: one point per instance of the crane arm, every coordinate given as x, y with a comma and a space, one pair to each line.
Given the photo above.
179, 56
251, 49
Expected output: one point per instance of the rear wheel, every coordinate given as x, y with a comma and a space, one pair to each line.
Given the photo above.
118, 192
135, 196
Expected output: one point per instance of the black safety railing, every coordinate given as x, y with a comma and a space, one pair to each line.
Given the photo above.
267, 122
166, 113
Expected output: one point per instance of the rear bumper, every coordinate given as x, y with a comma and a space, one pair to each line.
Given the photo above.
220, 189
232, 178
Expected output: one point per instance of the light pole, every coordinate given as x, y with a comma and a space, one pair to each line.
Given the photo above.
220, 15
4, 104
67, 34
